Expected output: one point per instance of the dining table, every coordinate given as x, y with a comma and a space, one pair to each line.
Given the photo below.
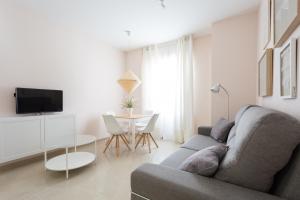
132, 125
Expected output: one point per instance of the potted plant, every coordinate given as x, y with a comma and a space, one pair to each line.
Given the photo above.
129, 104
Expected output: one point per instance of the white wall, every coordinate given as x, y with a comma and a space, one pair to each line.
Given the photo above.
202, 58
202, 80
291, 106
35, 53
227, 56
234, 63
133, 62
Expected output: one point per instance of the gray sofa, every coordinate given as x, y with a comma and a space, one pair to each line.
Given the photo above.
241, 178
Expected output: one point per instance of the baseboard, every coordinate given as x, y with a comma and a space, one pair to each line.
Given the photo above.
36, 157
139, 196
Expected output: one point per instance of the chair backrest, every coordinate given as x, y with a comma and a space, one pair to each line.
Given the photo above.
148, 112
151, 124
110, 113
112, 125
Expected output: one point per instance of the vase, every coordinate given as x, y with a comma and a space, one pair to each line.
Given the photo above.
130, 110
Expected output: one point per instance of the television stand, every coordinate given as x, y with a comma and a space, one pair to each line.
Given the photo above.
24, 135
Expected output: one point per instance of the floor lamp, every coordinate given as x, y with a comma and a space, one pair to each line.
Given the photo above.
216, 89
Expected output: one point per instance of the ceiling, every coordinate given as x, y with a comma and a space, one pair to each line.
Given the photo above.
146, 19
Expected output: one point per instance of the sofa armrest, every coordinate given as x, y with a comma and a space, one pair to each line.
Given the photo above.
158, 182
204, 130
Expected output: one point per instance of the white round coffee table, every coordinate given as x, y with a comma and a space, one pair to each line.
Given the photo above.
73, 160
84, 140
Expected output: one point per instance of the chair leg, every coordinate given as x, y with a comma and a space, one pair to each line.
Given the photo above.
117, 146
124, 140
139, 141
153, 140
148, 140
144, 139
137, 136
127, 137
108, 143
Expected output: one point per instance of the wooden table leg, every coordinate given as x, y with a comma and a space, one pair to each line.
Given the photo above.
132, 134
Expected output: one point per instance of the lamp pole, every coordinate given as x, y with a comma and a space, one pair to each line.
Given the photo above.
227, 93
216, 89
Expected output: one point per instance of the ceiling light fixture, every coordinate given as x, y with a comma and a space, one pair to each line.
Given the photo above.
128, 33
162, 4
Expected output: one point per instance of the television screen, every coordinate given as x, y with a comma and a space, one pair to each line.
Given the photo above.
38, 100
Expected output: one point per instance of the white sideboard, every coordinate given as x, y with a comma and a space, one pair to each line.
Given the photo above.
23, 136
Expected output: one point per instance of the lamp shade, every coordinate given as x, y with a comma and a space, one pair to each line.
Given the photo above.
215, 88
129, 82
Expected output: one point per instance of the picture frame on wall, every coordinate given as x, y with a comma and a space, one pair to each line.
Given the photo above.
265, 77
266, 5
288, 70
286, 14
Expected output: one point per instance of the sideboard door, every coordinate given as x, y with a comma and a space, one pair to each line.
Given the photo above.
20, 137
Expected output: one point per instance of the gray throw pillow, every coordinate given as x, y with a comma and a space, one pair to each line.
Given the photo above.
206, 161
221, 130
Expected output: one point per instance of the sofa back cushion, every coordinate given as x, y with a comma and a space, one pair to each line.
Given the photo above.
238, 116
240, 113
221, 130
287, 182
263, 143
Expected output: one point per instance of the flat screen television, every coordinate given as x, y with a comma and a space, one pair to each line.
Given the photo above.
30, 100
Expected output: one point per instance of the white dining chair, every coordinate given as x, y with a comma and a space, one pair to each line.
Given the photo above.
110, 113
146, 133
124, 123
143, 122
117, 132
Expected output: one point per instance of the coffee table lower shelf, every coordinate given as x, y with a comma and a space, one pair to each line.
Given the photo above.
75, 160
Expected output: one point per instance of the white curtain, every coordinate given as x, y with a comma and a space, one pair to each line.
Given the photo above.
167, 77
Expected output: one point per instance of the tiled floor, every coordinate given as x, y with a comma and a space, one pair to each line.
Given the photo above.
107, 179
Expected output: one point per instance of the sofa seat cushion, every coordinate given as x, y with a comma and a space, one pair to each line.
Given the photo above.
287, 182
176, 158
199, 142
158, 182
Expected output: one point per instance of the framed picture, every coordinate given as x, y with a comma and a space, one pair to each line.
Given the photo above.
288, 70
286, 15
265, 78
265, 22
